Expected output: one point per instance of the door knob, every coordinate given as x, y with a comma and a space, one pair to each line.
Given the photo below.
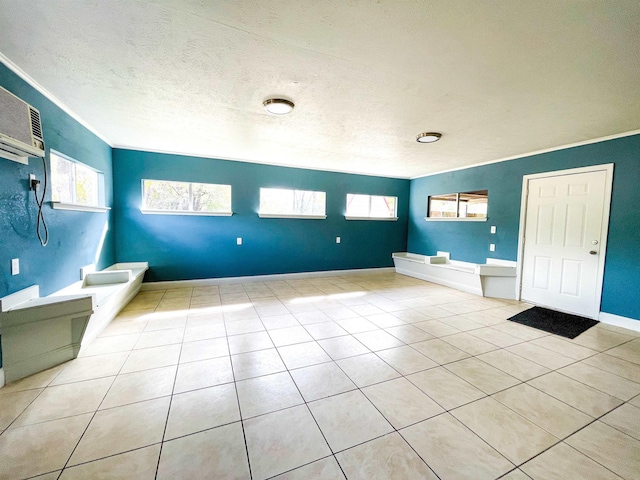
593, 252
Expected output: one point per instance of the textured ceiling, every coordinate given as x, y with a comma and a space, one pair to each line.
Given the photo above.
497, 78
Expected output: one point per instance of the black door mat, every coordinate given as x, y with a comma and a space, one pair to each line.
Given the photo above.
551, 321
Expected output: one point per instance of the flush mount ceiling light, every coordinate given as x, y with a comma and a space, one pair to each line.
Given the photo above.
428, 137
278, 106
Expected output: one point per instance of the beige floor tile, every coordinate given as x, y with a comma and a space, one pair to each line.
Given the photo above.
401, 402
13, 404
292, 433
205, 373
578, 395
516, 475
409, 333
343, 347
496, 337
601, 339
267, 394
564, 347
279, 321
469, 344
542, 356
378, 340
159, 338
320, 331
625, 418
434, 312
520, 331
629, 351
313, 316
215, 453
170, 318
325, 469
367, 369
348, 419
443, 441
241, 327
339, 313
140, 464
385, 320
88, 368
386, 457
512, 435
303, 355
635, 401
289, 336
140, 386
406, 360
49, 476
550, 414
203, 332
440, 351
37, 380
513, 364
65, 401
155, 357
249, 342
321, 380
206, 316
604, 381
49, 446
461, 323
484, 317
617, 366
112, 344
366, 309
357, 325
562, 462
201, 410
481, 375
255, 364
447, 389
120, 429
204, 349
436, 328
609, 447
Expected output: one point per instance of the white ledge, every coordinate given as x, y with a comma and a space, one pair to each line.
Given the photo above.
456, 219
377, 219
281, 215
77, 207
196, 214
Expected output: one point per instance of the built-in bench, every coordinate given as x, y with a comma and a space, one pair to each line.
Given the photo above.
496, 278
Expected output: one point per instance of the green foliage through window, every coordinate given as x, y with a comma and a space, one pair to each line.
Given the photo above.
162, 195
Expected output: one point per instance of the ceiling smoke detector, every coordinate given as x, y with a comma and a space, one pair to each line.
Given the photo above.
428, 137
278, 106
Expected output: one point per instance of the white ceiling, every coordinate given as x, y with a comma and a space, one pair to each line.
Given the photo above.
498, 78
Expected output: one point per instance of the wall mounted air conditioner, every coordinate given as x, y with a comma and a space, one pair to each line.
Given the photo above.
20, 129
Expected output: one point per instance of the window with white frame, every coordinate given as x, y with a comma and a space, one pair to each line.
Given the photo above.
371, 207
74, 185
185, 198
281, 202
458, 206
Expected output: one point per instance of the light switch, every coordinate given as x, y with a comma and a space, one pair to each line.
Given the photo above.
15, 266
337, 239
239, 241
493, 229
492, 247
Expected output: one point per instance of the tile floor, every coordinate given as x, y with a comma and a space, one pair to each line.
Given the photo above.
371, 376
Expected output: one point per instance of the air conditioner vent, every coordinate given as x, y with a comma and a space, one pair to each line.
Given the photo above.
20, 129
36, 126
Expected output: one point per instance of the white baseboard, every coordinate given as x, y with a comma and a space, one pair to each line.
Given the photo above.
206, 282
1, 377
618, 321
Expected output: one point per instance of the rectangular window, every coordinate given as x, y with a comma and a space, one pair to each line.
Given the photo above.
74, 184
457, 206
280, 202
367, 207
186, 198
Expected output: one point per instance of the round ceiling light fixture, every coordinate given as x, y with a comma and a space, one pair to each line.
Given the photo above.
428, 137
278, 106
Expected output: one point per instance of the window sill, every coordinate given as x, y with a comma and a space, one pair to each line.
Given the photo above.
301, 217
189, 214
77, 207
376, 219
457, 219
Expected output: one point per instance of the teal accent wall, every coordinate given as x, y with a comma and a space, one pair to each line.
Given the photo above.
75, 238
181, 247
469, 241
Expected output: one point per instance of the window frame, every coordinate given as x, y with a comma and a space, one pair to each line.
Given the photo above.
378, 219
457, 218
295, 216
81, 207
152, 211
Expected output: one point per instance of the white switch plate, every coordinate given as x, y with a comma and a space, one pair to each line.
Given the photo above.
492, 247
239, 241
493, 229
337, 239
15, 266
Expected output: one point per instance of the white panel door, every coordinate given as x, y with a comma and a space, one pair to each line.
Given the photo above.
562, 241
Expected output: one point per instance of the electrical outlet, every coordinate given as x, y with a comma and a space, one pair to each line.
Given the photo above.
338, 240
239, 241
493, 229
15, 266
492, 247
33, 182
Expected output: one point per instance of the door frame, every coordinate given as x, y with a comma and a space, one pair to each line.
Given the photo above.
608, 168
